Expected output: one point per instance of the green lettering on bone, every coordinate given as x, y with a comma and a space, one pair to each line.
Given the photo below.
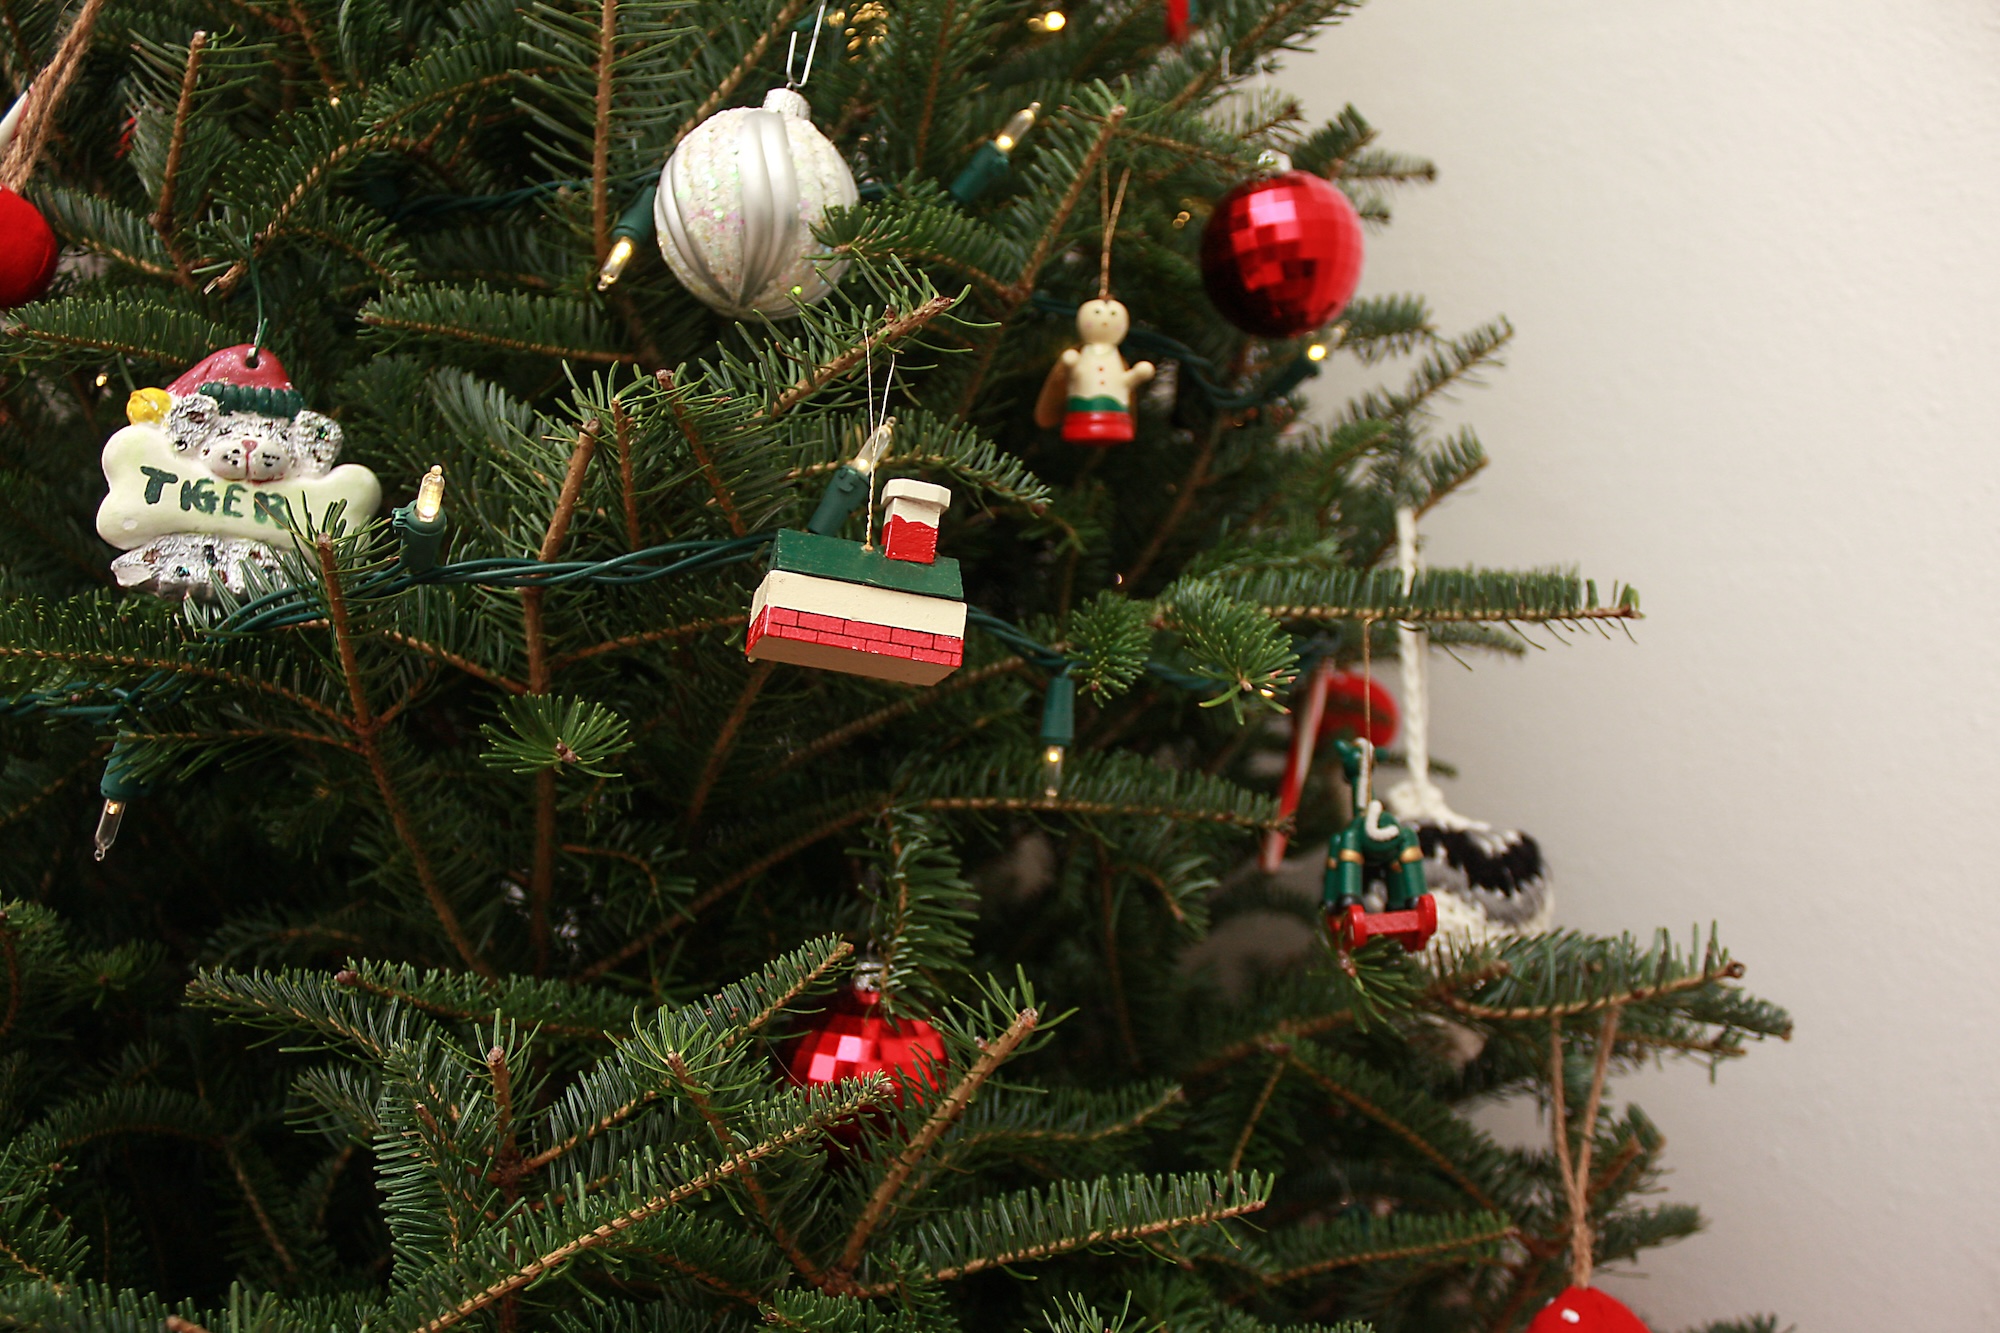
198, 496
270, 507
230, 496
157, 480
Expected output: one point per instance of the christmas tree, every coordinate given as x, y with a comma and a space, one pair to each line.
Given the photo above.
573, 857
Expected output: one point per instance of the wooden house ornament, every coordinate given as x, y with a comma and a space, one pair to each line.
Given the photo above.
894, 613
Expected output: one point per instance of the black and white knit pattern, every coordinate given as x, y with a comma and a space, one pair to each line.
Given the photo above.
1498, 872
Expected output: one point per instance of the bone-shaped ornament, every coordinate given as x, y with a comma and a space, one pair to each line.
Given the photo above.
156, 491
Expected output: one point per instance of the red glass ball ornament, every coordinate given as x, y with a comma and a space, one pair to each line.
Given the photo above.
1281, 254
28, 251
1358, 705
852, 1037
1586, 1310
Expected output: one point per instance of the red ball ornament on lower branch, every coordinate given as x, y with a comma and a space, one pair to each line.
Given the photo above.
852, 1037
1586, 1310
1281, 254
28, 251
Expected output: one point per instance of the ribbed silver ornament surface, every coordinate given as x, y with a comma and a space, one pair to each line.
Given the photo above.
737, 204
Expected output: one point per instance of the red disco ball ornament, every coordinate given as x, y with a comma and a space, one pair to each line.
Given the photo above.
1586, 1310
28, 251
1358, 706
1281, 254
852, 1037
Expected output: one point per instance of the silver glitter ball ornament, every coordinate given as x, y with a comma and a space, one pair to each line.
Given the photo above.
737, 204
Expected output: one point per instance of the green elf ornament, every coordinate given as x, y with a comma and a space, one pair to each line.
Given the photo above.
1374, 840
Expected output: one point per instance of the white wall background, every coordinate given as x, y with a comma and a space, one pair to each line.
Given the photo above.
1753, 252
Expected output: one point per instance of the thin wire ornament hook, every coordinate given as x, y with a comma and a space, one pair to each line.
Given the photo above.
257, 338
812, 49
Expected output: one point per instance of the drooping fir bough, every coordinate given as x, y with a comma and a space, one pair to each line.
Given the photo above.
472, 882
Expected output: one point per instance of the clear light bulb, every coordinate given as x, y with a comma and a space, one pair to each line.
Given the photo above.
430, 495
615, 262
1052, 770
875, 446
107, 827
1316, 352
1017, 126
1051, 21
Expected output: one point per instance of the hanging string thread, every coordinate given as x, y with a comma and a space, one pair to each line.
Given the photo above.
1110, 210
38, 121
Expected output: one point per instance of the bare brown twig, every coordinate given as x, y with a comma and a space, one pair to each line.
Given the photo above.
941, 1119
366, 732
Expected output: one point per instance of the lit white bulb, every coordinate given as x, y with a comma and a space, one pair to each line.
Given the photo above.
615, 262
1017, 125
430, 495
1052, 771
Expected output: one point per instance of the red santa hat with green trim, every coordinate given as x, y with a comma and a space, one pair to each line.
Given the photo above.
243, 378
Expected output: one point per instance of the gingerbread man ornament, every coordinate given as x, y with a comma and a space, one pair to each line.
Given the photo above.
1097, 407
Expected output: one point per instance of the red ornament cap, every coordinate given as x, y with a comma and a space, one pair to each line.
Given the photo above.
852, 1037
1586, 1310
28, 252
1359, 704
232, 365
1281, 254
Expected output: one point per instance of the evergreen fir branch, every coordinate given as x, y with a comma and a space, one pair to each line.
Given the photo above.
1270, 26
1109, 641
1439, 596
1380, 327
1568, 975
1068, 1216
958, 451
836, 818
894, 328
641, 639
1229, 642
546, 732
830, 741
918, 224
366, 731
105, 228
1459, 1152
941, 1118
456, 997
338, 1102
482, 1275
164, 220
1453, 363
1117, 784
919, 901
1326, 150
752, 56
1623, 1235
36, 1242
1069, 1117
145, 328
276, 179
1312, 1249
558, 327
304, 1005
616, 1089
